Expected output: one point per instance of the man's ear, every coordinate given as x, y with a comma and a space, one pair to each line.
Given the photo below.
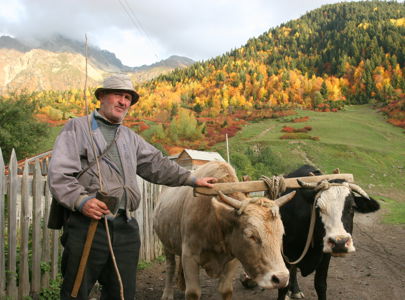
226, 215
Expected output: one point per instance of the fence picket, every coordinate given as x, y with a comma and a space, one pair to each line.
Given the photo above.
2, 223
36, 231
24, 280
146, 224
55, 254
12, 228
46, 251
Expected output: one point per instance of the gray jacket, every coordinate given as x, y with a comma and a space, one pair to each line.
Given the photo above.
73, 152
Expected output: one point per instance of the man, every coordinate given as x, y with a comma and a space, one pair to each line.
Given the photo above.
74, 179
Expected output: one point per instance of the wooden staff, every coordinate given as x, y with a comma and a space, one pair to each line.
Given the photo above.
85, 255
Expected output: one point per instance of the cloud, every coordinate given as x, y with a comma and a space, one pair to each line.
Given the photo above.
142, 32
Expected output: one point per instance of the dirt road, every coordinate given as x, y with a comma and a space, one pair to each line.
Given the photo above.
376, 271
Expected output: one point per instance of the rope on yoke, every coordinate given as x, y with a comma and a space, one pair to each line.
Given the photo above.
275, 186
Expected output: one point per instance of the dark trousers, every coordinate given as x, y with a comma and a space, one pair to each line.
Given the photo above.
126, 243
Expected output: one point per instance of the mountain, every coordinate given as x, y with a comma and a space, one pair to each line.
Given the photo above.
58, 63
148, 72
349, 52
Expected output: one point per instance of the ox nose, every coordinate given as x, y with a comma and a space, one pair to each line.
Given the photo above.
339, 244
280, 279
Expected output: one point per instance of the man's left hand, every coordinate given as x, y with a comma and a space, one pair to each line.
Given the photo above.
206, 181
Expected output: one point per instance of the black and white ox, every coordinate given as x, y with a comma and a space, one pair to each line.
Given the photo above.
334, 203
215, 232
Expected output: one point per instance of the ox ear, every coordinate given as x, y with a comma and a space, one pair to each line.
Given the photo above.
226, 215
364, 205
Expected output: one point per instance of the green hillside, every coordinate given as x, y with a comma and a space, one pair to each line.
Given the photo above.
346, 40
356, 140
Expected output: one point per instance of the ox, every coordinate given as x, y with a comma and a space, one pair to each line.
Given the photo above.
215, 232
335, 202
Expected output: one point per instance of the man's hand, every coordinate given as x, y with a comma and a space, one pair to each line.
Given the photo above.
95, 209
206, 181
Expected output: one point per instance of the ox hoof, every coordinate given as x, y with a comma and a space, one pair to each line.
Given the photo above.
299, 295
247, 282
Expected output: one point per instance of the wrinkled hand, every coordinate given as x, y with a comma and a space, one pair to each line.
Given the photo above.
95, 209
206, 181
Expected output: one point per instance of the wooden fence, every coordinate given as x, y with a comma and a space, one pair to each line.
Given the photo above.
29, 251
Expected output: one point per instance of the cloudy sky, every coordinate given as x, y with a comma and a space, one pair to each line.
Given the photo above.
145, 31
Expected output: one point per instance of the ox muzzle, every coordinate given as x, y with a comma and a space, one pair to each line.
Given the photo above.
273, 280
338, 245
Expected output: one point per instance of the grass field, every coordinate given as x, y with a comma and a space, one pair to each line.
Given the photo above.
356, 140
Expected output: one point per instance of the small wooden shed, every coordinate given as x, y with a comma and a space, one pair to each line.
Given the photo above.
192, 159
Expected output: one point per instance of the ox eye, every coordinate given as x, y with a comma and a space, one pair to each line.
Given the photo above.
254, 238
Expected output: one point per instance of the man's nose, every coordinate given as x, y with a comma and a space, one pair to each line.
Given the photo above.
122, 100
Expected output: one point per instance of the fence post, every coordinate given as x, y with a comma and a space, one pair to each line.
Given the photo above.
24, 280
36, 231
54, 236
2, 256
146, 202
46, 253
55, 254
12, 228
157, 246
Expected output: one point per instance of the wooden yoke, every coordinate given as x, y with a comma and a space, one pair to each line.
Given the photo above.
257, 186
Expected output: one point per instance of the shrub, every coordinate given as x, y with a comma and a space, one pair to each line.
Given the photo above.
301, 119
18, 127
289, 129
55, 114
241, 163
298, 136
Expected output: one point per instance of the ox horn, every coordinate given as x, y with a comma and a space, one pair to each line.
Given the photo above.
358, 190
284, 199
308, 185
230, 201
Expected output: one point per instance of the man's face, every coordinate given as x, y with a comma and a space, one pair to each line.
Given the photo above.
114, 105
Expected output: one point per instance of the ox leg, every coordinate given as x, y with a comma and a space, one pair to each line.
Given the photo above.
170, 269
225, 287
294, 286
321, 275
191, 276
282, 293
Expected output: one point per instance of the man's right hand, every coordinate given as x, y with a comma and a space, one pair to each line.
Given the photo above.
95, 209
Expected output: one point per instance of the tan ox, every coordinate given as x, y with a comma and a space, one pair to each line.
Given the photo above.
215, 232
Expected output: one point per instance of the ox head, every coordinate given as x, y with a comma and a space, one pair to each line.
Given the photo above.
253, 232
336, 201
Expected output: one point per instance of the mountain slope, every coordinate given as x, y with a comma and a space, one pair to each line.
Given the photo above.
350, 52
357, 140
59, 64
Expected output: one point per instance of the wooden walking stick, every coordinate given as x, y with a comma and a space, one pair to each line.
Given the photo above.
112, 204
85, 255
